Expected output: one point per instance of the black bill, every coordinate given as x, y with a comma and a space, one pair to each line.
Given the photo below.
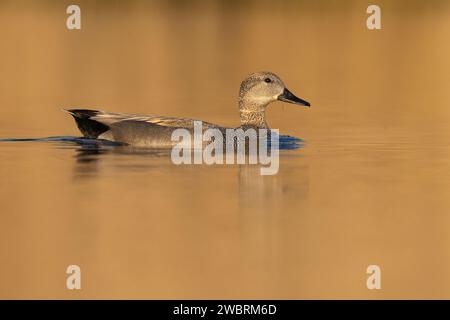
287, 96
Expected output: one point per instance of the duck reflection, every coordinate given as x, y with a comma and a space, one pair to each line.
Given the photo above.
259, 193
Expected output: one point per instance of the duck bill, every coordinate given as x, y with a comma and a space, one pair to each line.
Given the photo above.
288, 96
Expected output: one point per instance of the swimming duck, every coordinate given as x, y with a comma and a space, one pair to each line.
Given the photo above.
256, 92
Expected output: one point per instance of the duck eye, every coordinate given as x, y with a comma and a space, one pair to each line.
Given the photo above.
268, 80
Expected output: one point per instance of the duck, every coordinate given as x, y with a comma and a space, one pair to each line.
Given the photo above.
256, 92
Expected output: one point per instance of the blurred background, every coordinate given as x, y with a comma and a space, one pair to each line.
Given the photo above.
371, 186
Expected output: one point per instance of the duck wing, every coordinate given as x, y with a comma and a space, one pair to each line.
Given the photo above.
92, 123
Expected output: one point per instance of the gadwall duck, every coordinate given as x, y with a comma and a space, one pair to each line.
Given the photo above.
255, 94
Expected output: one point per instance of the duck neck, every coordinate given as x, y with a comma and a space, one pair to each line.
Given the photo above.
252, 115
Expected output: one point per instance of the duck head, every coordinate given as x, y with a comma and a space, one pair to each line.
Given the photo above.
257, 92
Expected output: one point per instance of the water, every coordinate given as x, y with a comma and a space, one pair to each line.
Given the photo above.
370, 186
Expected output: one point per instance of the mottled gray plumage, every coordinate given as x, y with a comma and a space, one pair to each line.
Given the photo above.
255, 94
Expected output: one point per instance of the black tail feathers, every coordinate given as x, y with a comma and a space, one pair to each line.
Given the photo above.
88, 127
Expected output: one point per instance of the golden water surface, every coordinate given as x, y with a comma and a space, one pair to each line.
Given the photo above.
370, 187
